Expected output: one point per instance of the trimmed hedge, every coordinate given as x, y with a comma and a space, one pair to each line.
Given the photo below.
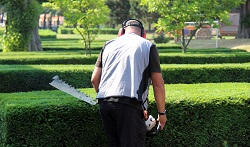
77, 58
167, 58
198, 115
16, 78
47, 34
64, 30
2, 31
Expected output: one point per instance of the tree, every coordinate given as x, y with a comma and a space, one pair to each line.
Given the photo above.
174, 14
119, 9
141, 12
244, 27
84, 15
22, 25
49, 8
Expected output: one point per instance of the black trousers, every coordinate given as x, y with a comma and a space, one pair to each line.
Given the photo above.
124, 124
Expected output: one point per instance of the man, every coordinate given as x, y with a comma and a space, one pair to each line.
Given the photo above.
123, 72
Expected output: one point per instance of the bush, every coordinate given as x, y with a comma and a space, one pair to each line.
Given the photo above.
48, 59
2, 29
1, 36
47, 34
77, 58
167, 58
64, 30
16, 78
198, 115
108, 31
161, 39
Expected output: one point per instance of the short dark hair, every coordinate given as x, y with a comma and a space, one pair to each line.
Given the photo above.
132, 22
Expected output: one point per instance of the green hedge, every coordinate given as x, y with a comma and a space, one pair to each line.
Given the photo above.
78, 58
2, 29
198, 115
16, 78
167, 58
34, 58
64, 30
47, 34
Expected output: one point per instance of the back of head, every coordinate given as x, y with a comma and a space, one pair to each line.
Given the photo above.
133, 26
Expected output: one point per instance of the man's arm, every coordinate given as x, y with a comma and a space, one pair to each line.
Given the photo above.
159, 94
96, 77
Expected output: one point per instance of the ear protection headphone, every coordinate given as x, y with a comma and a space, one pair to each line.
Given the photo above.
140, 25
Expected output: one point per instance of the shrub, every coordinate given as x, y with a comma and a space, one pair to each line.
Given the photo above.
161, 39
77, 58
198, 115
16, 78
47, 34
48, 59
167, 58
2, 29
64, 30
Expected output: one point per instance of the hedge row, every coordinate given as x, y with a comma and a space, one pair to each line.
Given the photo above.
47, 34
63, 30
165, 58
198, 115
16, 78
1, 31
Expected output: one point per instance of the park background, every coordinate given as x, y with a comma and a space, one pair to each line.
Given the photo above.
204, 53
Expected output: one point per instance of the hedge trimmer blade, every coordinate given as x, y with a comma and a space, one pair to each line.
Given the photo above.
63, 86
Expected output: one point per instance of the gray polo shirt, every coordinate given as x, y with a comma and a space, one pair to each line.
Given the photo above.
127, 63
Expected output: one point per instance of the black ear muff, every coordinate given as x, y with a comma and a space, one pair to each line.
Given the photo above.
143, 34
121, 32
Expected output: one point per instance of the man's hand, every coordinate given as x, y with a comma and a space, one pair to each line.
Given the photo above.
145, 114
162, 120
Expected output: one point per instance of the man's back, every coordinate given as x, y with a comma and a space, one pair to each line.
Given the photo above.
124, 61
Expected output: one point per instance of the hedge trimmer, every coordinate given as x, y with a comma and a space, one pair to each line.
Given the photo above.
153, 126
63, 86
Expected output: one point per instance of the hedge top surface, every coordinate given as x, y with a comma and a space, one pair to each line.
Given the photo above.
91, 67
162, 52
175, 93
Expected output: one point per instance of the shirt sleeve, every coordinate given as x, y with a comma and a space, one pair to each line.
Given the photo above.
154, 60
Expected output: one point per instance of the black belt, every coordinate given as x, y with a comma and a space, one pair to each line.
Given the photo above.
122, 100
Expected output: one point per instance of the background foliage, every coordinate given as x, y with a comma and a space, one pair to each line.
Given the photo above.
84, 15
22, 18
174, 14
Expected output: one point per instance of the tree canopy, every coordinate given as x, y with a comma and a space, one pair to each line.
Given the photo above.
22, 20
84, 15
174, 13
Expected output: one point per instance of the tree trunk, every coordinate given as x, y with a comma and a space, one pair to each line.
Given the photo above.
58, 21
44, 21
244, 26
183, 42
2, 18
35, 43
